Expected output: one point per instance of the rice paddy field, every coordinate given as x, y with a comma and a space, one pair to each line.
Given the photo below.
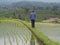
52, 30
14, 33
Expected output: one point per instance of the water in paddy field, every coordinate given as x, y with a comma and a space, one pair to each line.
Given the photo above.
50, 30
14, 34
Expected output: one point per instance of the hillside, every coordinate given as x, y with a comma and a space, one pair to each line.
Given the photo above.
30, 4
17, 10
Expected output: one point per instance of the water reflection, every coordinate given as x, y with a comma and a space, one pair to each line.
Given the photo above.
14, 34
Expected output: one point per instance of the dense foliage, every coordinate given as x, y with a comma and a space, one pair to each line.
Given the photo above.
21, 10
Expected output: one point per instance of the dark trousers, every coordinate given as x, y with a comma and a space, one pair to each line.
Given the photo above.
33, 23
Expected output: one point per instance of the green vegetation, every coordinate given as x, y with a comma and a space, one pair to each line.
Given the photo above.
22, 12
13, 32
40, 36
22, 32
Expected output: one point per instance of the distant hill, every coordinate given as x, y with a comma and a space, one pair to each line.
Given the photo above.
31, 4
27, 4
49, 10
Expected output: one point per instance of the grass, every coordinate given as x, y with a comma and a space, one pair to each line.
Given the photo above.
40, 36
50, 29
14, 27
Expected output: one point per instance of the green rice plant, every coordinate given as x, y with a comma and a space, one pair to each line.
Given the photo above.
9, 39
4, 39
17, 40
13, 28
40, 36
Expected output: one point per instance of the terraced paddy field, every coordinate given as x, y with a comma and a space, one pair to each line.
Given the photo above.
52, 30
14, 33
17, 32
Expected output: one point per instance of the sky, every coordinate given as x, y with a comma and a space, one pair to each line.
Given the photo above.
30, 0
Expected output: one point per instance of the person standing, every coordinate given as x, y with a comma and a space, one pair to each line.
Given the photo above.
32, 18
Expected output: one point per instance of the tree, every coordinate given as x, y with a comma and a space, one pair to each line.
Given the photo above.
14, 15
26, 12
54, 8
